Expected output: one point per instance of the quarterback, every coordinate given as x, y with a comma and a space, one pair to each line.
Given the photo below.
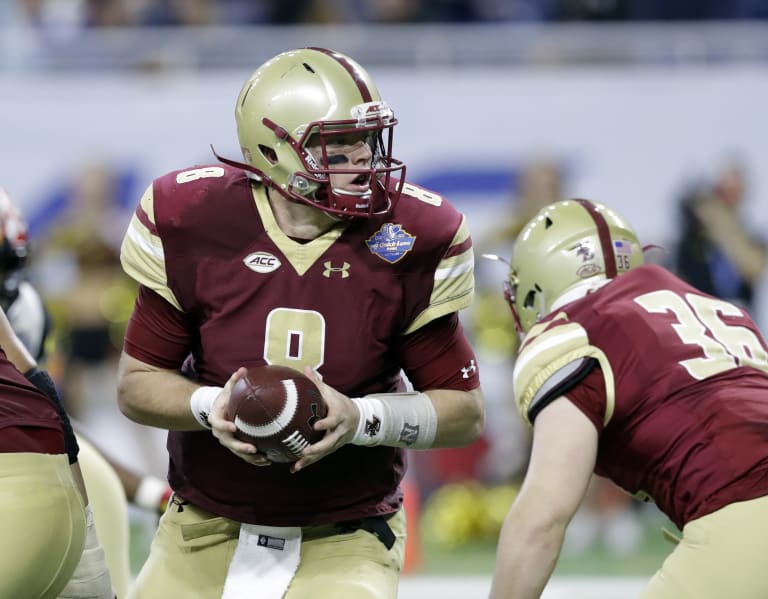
313, 253
628, 372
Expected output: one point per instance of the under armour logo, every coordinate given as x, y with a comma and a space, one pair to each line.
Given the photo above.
469, 370
372, 427
343, 270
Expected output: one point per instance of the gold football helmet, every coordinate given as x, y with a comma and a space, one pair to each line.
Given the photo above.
564, 245
319, 96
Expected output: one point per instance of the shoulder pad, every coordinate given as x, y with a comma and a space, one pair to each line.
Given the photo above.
551, 352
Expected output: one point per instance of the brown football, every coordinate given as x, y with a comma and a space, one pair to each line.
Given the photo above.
274, 407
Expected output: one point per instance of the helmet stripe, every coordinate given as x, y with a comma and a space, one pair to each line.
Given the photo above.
604, 233
351, 69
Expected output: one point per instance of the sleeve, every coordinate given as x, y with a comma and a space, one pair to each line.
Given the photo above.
454, 280
439, 356
589, 396
141, 254
555, 355
561, 383
157, 333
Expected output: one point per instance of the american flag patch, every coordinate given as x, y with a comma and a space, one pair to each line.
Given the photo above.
622, 248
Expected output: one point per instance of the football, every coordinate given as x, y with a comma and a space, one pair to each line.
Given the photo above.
274, 408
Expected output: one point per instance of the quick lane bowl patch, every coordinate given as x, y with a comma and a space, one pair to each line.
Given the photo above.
391, 242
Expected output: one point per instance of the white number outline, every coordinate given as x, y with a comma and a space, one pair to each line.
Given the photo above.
194, 174
699, 322
421, 194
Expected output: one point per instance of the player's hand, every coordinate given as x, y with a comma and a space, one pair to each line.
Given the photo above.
339, 424
224, 429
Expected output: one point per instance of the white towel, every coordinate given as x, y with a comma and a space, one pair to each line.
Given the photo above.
264, 562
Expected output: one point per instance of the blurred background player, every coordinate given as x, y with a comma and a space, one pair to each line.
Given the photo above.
538, 182
630, 372
460, 483
50, 546
77, 271
716, 252
313, 253
607, 518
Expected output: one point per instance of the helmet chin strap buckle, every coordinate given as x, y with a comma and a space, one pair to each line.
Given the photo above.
299, 183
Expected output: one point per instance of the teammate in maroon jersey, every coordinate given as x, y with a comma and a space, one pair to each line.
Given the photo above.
49, 543
628, 371
31, 325
313, 253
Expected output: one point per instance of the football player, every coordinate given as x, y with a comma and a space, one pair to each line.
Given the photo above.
50, 547
314, 253
628, 371
110, 484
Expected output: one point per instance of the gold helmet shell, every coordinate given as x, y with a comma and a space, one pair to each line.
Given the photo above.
316, 94
565, 245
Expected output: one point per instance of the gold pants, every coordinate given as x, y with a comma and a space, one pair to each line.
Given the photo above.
192, 548
721, 556
42, 518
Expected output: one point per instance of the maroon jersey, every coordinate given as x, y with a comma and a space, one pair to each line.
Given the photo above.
23, 406
676, 382
206, 241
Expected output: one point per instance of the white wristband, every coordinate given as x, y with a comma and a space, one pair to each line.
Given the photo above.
396, 420
201, 403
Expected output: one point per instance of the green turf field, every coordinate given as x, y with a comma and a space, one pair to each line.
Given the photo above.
478, 558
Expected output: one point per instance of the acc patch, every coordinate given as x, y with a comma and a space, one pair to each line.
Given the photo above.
391, 242
262, 262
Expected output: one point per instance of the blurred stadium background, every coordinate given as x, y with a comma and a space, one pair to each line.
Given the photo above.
627, 101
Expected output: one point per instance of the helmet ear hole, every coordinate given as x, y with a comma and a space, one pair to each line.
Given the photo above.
530, 298
269, 154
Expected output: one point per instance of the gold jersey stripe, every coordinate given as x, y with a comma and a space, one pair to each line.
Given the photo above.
546, 353
300, 255
555, 341
142, 255
453, 289
462, 233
